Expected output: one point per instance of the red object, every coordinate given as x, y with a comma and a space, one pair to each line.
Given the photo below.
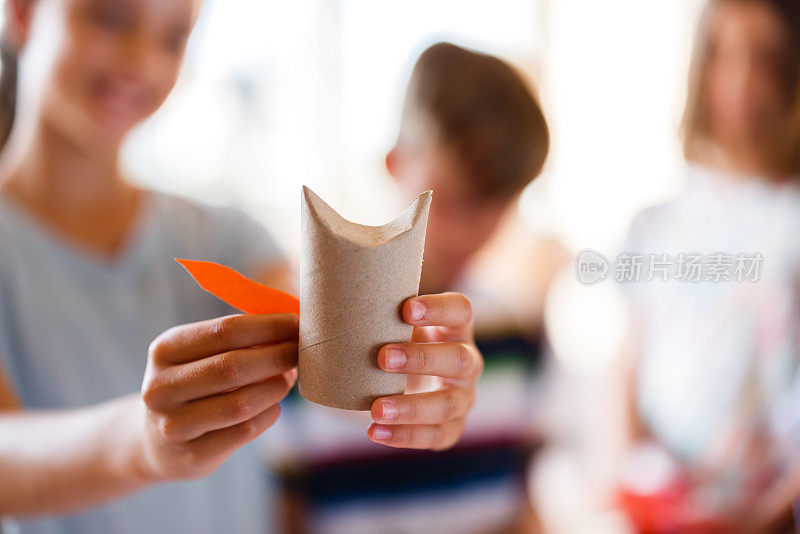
239, 291
664, 512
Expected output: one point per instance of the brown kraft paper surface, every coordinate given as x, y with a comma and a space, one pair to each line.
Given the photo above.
353, 282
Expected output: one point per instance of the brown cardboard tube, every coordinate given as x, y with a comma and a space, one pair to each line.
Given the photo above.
353, 282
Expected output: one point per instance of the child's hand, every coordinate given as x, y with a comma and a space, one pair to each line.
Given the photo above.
210, 387
444, 347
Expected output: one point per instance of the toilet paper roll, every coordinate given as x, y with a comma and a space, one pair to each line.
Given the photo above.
353, 282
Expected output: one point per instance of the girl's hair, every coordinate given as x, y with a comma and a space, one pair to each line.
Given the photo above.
8, 89
785, 158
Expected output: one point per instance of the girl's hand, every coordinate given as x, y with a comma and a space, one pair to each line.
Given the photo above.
443, 347
210, 387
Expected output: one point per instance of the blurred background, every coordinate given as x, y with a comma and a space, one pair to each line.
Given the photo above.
310, 93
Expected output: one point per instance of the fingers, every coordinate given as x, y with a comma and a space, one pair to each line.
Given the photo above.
435, 419
460, 361
218, 374
193, 419
219, 444
444, 309
191, 342
430, 408
435, 437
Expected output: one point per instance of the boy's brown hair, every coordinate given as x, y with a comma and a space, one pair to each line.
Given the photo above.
480, 107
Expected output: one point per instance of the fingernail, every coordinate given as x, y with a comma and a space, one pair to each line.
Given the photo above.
395, 358
381, 432
292, 374
417, 310
389, 411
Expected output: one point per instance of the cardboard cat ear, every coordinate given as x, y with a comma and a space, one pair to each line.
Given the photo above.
239, 291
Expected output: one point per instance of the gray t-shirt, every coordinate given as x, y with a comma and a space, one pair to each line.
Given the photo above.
75, 328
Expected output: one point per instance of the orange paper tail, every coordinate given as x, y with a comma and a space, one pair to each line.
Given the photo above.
239, 291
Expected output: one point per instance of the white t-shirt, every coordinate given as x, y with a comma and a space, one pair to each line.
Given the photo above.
720, 358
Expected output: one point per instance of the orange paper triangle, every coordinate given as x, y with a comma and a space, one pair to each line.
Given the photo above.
239, 291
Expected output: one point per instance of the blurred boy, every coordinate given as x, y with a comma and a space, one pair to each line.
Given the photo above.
472, 131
